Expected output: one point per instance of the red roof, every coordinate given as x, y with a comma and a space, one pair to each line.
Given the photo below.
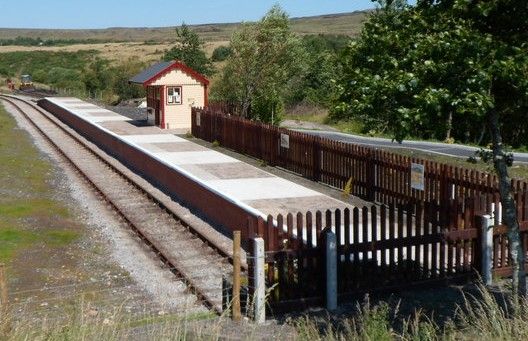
159, 70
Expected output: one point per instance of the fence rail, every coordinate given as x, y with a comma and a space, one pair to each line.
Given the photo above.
374, 174
378, 248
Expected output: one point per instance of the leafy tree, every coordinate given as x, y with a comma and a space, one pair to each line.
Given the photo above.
189, 50
266, 59
97, 77
221, 53
444, 68
321, 58
64, 78
121, 74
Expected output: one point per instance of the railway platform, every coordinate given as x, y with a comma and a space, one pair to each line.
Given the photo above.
251, 188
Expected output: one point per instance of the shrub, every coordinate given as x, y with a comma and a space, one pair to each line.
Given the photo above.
221, 53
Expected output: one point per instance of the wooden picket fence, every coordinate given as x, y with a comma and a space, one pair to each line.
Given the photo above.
375, 175
387, 247
414, 237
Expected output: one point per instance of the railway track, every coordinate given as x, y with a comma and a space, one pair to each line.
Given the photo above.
184, 250
37, 93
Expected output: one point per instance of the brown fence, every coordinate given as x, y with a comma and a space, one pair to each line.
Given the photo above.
375, 175
379, 248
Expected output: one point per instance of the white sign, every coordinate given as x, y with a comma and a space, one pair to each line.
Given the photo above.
198, 118
285, 141
417, 176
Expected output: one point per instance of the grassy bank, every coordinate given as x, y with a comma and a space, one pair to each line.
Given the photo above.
482, 315
29, 215
517, 171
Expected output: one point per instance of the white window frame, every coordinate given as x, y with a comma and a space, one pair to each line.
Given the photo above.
172, 99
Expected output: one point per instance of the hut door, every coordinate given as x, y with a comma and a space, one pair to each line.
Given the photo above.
157, 116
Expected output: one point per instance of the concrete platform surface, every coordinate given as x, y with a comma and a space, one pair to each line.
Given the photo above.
243, 183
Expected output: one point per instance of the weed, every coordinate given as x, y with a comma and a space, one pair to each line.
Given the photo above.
12, 240
60, 237
23, 208
483, 316
449, 140
348, 188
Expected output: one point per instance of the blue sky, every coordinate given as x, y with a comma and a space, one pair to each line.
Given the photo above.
152, 13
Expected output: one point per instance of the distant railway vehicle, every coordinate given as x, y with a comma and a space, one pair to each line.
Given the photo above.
26, 82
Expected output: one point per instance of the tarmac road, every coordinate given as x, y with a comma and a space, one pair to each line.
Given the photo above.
455, 150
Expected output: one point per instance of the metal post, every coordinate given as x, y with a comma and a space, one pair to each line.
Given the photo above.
486, 225
331, 270
237, 316
260, 284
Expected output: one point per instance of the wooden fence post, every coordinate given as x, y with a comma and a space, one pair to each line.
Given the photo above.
4, 324
316, 159
371, 176
237, 316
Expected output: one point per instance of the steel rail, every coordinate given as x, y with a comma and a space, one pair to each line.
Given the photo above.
172, 265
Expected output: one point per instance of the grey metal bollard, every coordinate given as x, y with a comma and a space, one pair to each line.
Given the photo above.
260, 284
331, 270
486, 225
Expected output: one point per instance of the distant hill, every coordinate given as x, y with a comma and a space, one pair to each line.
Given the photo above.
345, 23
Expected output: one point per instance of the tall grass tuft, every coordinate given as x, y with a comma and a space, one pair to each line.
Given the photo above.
482, 316
115, 326
492, 317
371, 323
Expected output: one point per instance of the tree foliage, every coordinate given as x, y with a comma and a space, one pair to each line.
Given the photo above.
445, 68
80, 71
316, 85
112, 80
434, 70
266, 59
221, 53
189, 50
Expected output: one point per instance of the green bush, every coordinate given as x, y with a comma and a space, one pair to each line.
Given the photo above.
27, 41
267, 108
221, 53
60, 69
78, 72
